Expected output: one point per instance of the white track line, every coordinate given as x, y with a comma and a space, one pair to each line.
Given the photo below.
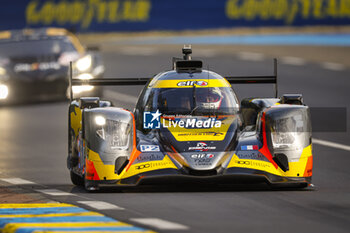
17, 181
54, 192
331, 144
295, 61
251, 56
101, 205
125, 98
333, 66
159, 223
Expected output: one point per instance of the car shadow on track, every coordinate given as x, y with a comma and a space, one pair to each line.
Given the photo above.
33, 190
190, 188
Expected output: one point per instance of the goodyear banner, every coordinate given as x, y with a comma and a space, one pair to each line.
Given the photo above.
142, 15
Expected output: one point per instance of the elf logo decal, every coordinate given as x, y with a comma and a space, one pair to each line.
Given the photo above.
192, 83
202, 159
202, 156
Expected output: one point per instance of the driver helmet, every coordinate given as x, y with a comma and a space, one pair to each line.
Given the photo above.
209, 98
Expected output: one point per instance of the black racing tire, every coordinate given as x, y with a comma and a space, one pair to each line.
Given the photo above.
76, 179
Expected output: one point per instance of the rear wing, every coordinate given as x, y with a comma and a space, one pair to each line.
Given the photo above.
257, 79
143, 81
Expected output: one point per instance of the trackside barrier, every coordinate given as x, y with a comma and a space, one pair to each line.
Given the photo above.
143, 15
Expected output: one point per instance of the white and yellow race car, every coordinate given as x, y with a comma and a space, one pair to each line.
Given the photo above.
189, 126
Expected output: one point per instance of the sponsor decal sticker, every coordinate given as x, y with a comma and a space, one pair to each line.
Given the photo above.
255, 155
254, 163
20, 67
202, 156
250, 147
192, 123
150, 157
192, 83
151, 165
201, 134
202, 146
202, 159
152, 120
149, 148
143, 166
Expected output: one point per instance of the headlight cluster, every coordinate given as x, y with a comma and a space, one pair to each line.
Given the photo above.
3, 74
2, 71
288, 133
115, 133
283, 140
4, 91
83, 64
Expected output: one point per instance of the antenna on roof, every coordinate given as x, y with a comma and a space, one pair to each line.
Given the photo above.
187, 51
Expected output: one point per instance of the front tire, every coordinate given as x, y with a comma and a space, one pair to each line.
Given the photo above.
76, 179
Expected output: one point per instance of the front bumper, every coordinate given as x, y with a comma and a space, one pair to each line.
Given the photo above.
229, 176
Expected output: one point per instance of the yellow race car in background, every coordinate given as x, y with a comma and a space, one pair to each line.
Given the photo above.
34, 64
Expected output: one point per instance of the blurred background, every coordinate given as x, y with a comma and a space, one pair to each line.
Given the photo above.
224, 32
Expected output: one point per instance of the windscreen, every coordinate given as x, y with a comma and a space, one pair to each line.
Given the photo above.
35, 47
193, 101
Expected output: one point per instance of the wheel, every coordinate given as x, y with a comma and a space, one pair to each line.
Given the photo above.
76, 179
72, 159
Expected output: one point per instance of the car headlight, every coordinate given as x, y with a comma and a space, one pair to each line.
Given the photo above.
287, 133
4, 91
84, 76
115, 133
100, 120
2, 71
3, 74
283, 140
83, 64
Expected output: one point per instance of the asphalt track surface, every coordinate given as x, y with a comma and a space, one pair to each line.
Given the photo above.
33, 146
